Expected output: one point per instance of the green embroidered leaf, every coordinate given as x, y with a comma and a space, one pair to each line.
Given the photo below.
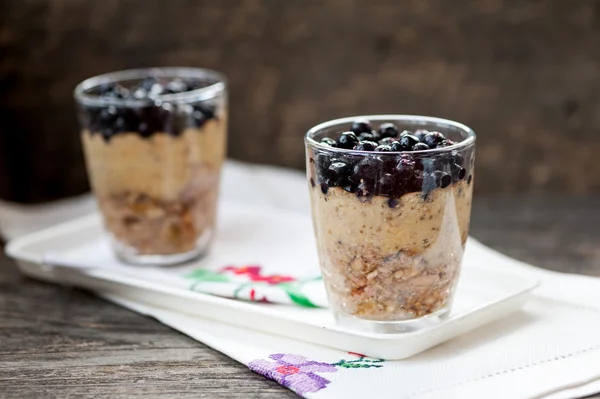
294, 291
207, 275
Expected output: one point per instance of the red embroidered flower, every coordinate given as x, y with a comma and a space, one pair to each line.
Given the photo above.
253, 273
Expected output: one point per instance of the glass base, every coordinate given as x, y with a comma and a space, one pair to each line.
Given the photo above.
391, 327
131, 256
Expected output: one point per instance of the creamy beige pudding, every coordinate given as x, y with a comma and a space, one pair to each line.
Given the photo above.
158, 194
154, 142
391, 219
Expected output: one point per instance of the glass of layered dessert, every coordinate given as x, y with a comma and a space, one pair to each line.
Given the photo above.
154, 142
391, 202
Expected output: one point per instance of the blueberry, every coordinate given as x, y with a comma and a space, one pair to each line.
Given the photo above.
420, 134
368, 137
383, 148
329, 141
405, 167
420, 147
457, 158
147, 83
469, 179
361, 126
324, 188
347, 140
388, 140
156, 90
396, 146
337, 173
407, 142
432, 139
351, 188
458, 172
366, 146
386, 184
176, 86
322, 162
405, 132
393, 202
445, 143
442, 179
368, 169
388, 130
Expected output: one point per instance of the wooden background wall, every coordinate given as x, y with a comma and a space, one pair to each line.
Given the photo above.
525, 74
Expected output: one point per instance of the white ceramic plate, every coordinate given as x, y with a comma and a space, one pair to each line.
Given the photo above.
484, 294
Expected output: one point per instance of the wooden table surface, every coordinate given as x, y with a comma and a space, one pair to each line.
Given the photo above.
57, 342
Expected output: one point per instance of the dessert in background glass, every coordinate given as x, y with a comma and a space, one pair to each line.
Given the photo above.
391, 202
154, 142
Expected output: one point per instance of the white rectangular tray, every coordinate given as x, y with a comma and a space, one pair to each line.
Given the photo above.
484, 294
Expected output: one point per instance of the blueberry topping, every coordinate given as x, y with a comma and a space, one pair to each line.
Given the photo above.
388, 140
361, 126
328, 141
432, 139
337, 173
366, 146
383, 148
420, 147
407, 142
368, 136
388, 130
420, 134
458, 172
347, 140
386, 183
445, 143
151, 116
393, 202
324, 188
367, 169
442, 179
405, 132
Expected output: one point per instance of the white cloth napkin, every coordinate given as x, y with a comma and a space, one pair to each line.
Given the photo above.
550, 349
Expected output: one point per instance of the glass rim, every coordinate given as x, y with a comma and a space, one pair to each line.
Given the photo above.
211, 91
470, 140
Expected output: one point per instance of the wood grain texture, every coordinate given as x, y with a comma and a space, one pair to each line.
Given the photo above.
523, 73
57, 342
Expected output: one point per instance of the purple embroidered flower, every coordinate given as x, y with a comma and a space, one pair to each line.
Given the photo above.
294, 372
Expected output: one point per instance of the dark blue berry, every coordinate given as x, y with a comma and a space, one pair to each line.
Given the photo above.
361, 126
329, 141
420, 147
405, 132
322, 161
442, 179
393, 202
458, 172
386, 184
366, 146
383, 148
368, 137
347, 140
367, 169
337, 173
351, 188
420, 134
469, 179
445, 143
324, 188
387, 141
388, 130
432, 139
365, 189
407, 142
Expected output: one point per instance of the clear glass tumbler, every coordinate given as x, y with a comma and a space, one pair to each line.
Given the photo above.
154, 142
390, 224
